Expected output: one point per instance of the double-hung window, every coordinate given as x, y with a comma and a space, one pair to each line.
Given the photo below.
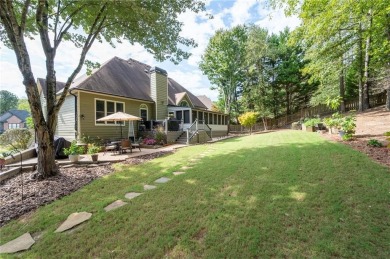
105, 107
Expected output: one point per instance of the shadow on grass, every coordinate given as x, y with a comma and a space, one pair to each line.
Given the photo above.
246, 198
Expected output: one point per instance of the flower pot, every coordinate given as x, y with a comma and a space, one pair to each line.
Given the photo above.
74, 158
341, 133
310, 128
94, 157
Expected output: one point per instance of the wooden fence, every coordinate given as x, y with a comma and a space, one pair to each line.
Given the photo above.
319, 110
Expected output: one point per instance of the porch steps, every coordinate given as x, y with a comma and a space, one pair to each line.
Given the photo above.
182, 139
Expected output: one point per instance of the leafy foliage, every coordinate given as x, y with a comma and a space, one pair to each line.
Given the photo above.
93, 149
18, 138
24, 105
8, 101
74, 149
248, 119
374, 143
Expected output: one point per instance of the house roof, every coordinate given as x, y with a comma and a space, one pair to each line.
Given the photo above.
131, 79
42, 82
206, 101
21, 114
175, 88
126, 78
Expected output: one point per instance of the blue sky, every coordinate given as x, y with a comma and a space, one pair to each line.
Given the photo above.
226, 13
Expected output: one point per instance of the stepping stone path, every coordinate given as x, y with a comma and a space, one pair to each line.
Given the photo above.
194, 160
162, 180
21, 243
186, 167
115, 205
74, 219
132, 195
149, 187
178, 173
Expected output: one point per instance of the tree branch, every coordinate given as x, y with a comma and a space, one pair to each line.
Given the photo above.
93, 33
24, 16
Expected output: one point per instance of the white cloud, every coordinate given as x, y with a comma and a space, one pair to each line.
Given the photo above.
275, 20
240, 11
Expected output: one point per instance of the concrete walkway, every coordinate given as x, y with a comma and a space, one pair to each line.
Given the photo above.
107, 157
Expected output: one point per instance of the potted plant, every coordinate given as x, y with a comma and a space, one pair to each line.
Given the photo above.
93, 150
311, 124
347, 127
74, 151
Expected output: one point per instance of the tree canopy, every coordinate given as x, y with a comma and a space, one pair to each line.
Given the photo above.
153, 24
8, 101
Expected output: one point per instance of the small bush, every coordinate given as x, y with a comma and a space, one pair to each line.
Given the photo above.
160, 136
19, 138
312, 122
374, 143
74, 149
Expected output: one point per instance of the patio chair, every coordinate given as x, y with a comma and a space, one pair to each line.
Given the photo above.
135, 145
125, 145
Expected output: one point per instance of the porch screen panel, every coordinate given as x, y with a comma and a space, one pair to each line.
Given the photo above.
215, 121
200, 116
110, 110
206, 118
179, 115
194, 115
100, 111
187, 116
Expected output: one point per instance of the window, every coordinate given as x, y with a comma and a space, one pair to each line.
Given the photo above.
14, 126
143, 112
184, 104
104, 108
194, 115
215, 120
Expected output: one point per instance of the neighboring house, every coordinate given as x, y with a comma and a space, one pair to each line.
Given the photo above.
13, 119
135, 88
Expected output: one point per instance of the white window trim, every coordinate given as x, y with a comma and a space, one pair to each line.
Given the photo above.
105, 111
182, 101
144, 107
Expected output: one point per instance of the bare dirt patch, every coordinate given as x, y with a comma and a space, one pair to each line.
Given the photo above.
371, 124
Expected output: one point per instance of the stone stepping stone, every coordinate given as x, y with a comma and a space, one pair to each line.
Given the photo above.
186, 167
149, 187
178, 173
132, 195
21, 243
194, 160
115, 205
93, 165
162, 180
74, 219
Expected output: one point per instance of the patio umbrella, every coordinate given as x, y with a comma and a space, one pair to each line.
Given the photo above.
120, 116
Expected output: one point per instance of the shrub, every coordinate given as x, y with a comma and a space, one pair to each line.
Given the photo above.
150, 141
18, 138
248, 119
93, 149
348, 125
74, 149
334, 120
374, 143
160, 136
312, 122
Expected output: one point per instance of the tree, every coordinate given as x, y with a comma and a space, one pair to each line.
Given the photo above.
8, 101
153, 24
23, 105
341, 33
248, 119
223, 64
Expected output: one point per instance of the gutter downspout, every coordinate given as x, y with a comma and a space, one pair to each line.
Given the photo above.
75, 114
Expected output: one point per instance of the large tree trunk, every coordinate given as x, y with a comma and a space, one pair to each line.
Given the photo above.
366, 88
46, 155
342, 89
360, 70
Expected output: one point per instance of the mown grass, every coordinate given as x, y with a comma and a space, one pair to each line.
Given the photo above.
283, 194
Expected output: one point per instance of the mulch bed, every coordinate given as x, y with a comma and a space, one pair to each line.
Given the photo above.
378, 154
37, 193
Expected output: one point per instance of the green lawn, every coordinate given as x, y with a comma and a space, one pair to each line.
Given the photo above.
284, 194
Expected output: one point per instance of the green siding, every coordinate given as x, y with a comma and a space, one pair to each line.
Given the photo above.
110, 131
159, 93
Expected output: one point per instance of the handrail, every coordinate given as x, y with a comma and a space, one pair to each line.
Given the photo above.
192, 132
208, 132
